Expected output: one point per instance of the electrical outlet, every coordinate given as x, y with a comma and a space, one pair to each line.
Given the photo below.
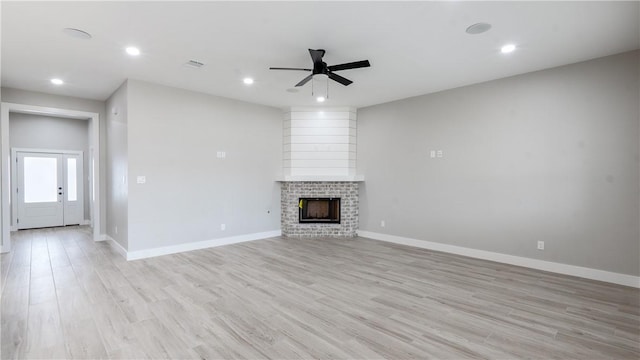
540, 245
382, 223
439, 153
432, 154
221, 154
141, 179
223, 227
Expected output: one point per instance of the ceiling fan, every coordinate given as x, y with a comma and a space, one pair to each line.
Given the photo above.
320, 68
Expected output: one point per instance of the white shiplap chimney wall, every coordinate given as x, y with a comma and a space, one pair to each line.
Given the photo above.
320, 144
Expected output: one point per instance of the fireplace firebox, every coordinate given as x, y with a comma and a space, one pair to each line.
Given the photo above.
319, 210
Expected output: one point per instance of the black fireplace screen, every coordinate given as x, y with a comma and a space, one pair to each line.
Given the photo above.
319, 210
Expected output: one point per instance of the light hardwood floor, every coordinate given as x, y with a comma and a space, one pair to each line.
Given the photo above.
65, 296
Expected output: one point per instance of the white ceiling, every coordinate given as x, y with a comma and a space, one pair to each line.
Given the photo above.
414, 47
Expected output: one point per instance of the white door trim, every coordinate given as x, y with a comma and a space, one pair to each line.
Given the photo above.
14, 174
93, 170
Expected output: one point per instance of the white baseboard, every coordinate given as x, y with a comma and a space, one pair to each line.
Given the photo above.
86, 222
579, 271
147, 253
114, 244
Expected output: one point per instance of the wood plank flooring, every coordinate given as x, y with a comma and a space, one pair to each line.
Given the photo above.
65, 296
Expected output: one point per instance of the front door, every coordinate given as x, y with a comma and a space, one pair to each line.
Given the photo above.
49, 189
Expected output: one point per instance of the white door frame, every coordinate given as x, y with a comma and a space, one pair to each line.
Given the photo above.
5, 161
14, 176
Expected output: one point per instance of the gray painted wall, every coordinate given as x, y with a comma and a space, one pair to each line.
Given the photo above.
44, 132
117, 184
173, 138
550, 155
66, 102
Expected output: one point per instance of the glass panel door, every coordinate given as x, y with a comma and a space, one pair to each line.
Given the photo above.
74, 190
39, 190
49, 189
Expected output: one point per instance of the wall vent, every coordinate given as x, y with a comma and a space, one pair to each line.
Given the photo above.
194, 64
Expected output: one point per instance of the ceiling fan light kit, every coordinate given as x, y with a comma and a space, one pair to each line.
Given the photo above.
320, 87
321, 73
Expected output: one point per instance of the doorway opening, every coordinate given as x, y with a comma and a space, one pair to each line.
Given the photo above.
91, 170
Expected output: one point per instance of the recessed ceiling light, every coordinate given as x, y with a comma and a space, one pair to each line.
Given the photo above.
77, 33
247, 81
508, 48
57, 81
133, 51
478, 28
320, 99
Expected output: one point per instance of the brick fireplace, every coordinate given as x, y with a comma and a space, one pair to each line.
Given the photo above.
292, 191
319, 152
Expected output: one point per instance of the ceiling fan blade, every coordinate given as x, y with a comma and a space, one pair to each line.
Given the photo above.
305, 80
316, 55
279, 68
351, 65
340, 79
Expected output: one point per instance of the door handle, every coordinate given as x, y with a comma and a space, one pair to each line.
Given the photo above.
59, 193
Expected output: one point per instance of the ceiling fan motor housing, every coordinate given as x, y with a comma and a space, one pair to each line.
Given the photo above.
320, 68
